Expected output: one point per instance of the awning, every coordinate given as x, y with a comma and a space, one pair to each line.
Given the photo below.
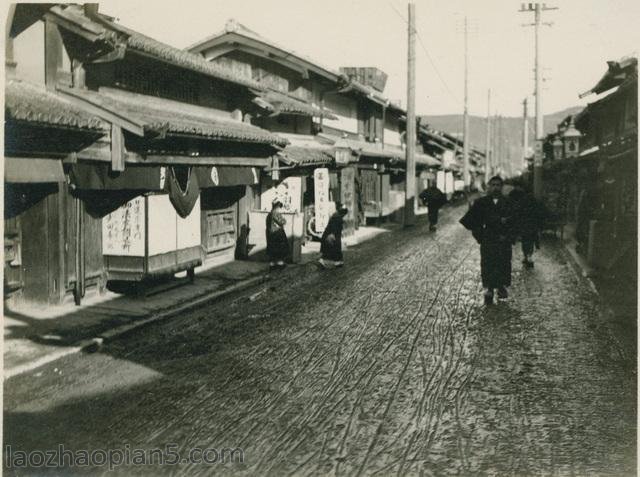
280, 103
306, 156
134, 177
152, 117
226, 176
427, 160
32, 170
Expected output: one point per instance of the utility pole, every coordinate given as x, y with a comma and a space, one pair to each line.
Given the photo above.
410, 182
525, 134
465, 126
487, 149
538, 8
500, 145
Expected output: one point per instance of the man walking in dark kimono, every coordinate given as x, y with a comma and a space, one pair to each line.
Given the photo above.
277, 243
331, 242
433, 198
490, 220
529, 220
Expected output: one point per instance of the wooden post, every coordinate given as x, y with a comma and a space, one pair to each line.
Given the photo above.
117, 148
79, 76
52, 54
10, 64
410, 181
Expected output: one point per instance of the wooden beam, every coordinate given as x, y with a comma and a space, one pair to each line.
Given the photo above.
10, 63
209, 161
102, 110
100, 152
79, 25
117, 148
52, 54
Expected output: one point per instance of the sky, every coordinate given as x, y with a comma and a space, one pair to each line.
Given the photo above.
584, 35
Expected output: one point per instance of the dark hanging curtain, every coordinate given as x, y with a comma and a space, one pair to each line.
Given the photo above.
183, 188
20, 197
101, 203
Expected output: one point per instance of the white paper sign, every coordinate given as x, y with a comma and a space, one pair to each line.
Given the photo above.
449, 182
441, 182
322, 203
289, 192
123, 230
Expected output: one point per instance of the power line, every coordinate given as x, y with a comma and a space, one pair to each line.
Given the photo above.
424, 48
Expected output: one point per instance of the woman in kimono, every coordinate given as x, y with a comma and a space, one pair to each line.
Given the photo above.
331, 242
490, 220
277, 243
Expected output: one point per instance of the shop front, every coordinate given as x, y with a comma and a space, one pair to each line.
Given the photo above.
52, 243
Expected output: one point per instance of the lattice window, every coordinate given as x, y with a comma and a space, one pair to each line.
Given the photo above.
155, 82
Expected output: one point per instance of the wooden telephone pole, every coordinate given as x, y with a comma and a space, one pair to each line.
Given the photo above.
537, 9
410, 182
525, 134
465, 125
487, 151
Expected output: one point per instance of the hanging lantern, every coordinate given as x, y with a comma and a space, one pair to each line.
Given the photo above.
571, 138
557, 148
342, 152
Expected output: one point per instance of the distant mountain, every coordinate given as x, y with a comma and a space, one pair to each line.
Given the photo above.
509, 128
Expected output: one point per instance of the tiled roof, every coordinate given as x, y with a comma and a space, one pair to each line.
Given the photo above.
162, 116
617, 73
116, 35
286, 104
306, 156
369, 149
32, 103
239, 30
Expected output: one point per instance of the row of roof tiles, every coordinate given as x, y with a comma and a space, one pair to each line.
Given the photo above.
34, 104
27, 102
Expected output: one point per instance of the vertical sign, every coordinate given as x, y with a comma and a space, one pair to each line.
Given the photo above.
537, 158
123, 230
322, 207
441, 182
348, 196
449, 182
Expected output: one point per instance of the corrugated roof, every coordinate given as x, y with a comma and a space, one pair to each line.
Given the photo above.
32, 103
165, 116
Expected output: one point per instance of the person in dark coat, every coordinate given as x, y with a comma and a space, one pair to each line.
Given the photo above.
490, 220
529, 220
433, 198
331, 241
277, 243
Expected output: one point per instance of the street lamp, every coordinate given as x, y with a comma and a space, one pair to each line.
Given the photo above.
571, 138
342, 152
557, 148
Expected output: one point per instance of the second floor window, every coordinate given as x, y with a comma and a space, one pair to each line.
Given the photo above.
159, 82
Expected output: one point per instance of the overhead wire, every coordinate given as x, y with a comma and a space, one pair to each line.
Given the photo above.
424, 48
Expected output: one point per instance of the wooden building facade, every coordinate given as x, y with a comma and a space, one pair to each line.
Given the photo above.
140, 132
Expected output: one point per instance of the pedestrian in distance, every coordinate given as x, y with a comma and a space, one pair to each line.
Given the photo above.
277, 243
434, 199
331, 241
529, 218
490, 220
